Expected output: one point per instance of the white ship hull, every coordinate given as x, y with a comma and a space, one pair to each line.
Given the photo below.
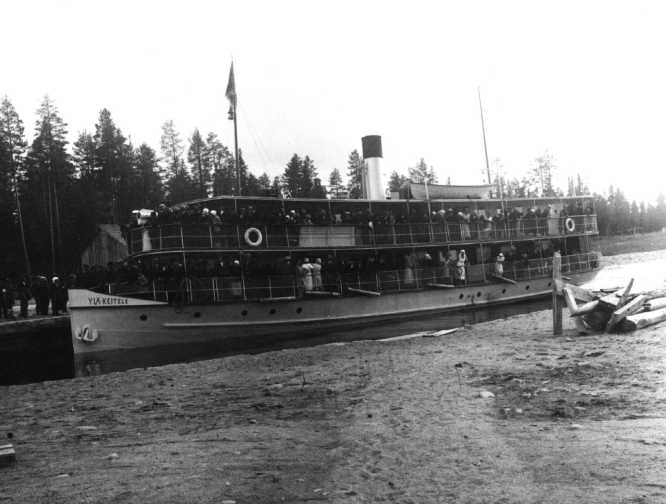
112, 323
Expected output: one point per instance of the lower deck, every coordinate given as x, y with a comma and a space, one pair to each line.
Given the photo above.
117, 326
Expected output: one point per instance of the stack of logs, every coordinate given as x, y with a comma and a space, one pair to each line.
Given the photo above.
613, 310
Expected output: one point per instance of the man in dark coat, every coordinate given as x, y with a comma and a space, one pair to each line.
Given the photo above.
24, 295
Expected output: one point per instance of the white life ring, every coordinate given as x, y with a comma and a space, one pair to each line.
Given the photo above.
88, 335
570, 225
249, 240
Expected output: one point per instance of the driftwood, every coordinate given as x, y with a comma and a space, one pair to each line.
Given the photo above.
574, 309
655, 304
619, 310
634, 306
645, 319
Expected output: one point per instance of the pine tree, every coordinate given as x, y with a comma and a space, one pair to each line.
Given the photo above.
219, 159
421, 172
47, 185
355, 175
335, 183
148, 179
265, 185
538, 182
179, 183
12, 153
308, 176
83, 156
292, 177
113, 167
172, 149
396, 181
196, 156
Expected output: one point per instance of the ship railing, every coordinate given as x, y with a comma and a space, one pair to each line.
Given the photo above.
539, 268
286, 236
223, 289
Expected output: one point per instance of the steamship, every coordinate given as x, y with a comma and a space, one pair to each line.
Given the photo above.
232, 268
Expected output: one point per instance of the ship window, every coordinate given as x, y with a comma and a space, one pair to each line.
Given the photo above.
244, 313
461, 296
478, 294
143, 317
272, 312
550, 284
299, 309
197, 314
503, 291
527, 287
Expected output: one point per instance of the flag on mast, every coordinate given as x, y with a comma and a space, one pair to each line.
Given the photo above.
231, 93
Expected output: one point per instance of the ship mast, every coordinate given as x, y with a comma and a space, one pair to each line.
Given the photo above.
231, 96
483, 131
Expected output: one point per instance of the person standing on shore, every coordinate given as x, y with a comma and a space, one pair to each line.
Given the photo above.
24, 295
41, 291
5, 307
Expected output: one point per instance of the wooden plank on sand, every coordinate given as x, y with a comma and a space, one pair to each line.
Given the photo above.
645, 319
574, 309
655, 304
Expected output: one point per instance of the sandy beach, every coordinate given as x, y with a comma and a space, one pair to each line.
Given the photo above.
573, 419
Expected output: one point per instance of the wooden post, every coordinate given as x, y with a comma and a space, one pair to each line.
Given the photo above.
557, 301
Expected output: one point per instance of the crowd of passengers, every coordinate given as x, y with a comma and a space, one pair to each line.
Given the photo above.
328, 272
250, 215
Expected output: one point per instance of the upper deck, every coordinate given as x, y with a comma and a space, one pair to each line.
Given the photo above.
304, 224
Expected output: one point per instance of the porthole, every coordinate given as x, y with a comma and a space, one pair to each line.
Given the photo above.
527, 287
144, 317
197, 314
503, 291
272, 311
478, 294
244, 313
550, 284
299, 309
461, 296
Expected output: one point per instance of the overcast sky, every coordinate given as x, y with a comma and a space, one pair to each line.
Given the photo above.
583, 80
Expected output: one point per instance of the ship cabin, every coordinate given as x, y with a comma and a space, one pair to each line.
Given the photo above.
239, 249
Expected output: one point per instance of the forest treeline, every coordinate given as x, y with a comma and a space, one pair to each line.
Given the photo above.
53, 194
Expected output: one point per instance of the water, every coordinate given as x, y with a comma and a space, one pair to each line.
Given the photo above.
57, 362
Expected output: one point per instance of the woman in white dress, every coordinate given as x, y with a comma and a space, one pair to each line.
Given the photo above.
306, 268
316, 275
